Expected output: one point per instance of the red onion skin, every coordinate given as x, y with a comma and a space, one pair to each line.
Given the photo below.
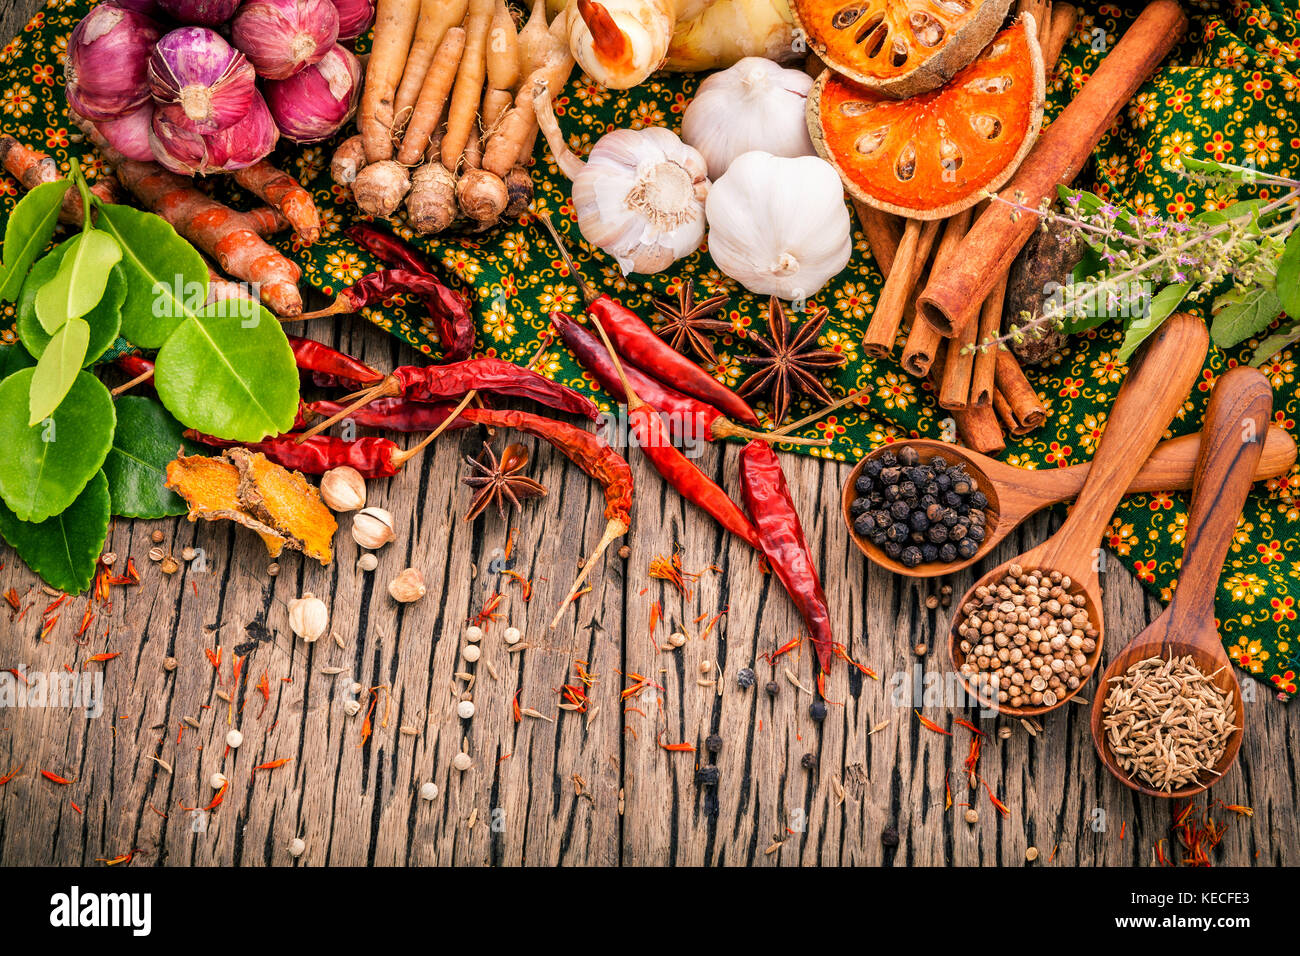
197, 69
206, 13
148, 7
312, 104
234, 147
355, 17
106, 64
281, 37
130, 134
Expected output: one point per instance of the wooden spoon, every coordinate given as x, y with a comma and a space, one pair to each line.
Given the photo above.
1239, 410
1016, 493
1158, 381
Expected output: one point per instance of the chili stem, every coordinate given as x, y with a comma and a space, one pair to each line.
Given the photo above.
388, 387
127, 386
587, 291
340, 306
613, 531
785, 429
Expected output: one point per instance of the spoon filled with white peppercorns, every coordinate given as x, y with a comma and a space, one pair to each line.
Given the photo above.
1027, 636
1167, 716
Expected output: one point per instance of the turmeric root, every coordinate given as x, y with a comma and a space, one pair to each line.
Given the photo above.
32, 168
462, 112
394, 27
281, 191
266, 221
431, 203
379, 187
436, 18
433, 97
221, 232
348, 160
481, 195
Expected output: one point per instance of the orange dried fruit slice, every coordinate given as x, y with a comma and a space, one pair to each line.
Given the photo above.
287, 501
936, 154
899, 48
210, 486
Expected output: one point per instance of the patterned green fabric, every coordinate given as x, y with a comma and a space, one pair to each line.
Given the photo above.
1228, 92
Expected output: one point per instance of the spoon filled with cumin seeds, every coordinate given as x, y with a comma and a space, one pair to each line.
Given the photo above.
1167, 716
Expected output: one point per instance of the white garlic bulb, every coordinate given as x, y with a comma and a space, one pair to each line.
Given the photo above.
640, 194
309, 618
779, 226
755, 104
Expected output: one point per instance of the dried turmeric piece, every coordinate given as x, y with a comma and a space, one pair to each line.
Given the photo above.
210, 486
285, 500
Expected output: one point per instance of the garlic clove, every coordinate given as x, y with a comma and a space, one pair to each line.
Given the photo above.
407, 586
308, 617
372, 528
343, 489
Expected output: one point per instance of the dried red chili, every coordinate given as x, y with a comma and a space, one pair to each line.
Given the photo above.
374, 457
781, 538
447, 307
394, 414
438, 383
388, 248
311, 356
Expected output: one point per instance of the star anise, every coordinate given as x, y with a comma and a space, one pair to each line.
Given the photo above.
686, 321
500, 481
790, 363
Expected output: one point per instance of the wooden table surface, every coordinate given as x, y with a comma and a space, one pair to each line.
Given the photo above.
569, 788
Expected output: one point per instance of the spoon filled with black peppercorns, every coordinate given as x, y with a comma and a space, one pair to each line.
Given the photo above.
897, 498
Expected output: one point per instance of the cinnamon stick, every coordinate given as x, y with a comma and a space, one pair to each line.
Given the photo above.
905, 272
959, 361
1064, 18
986, 360
923, 340
977, 427
1017, 403
953, 295
883, 230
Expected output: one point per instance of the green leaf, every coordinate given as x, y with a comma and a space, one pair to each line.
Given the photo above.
1238, 210
43, 469
1163, 304
13, 358
145, 440
167, 279
1235, 173
29, 230
64, 549
57, 369
1288, 276
1275, 343
80, 281
228, 371
1242, 313
105, 319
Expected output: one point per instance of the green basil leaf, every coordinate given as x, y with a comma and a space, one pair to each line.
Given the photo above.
1275, 343
79, 284
43, 469
1235, 173
13, 358
228, 371
65, 548
1163, 304
105, 319
167, 279
145, 440
1242, 313
1288, 276
29, 230
57, 369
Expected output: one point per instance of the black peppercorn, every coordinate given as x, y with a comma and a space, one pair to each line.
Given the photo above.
934, 512
911, 556
943, 481
872, 467
900, 510
937, 534
808, 761
976, 533
864, 485
918, 521
863, 524
951, 499
907, 490
713, 743
907, 455
877, 537
916, 537
773, 688
889, 475
948, 553
929, 552
707, 776
958, 531
817, 710
889, 837
978, 499
745, 677
962, 486
859, 506
897, 532
892, 549
888, 459
966, 548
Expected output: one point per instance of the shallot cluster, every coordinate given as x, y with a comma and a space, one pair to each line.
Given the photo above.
209, 86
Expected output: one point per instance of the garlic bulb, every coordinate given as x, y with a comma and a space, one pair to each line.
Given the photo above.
779, 226
640, 194
756, 104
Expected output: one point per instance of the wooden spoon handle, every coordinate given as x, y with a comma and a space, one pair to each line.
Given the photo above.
1158, 381
1233, 439
1170, 468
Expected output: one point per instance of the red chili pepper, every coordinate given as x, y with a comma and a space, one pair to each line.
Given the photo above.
440, 383
781, 538
394, 414
312, 356
389, 248
373, 457
447, 307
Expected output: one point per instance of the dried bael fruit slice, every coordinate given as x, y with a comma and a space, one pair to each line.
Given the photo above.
285, 500
210, 486
935, 154
899, 48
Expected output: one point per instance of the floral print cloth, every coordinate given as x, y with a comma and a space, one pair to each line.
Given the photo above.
1228, 92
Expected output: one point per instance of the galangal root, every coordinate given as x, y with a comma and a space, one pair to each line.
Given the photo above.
446, 124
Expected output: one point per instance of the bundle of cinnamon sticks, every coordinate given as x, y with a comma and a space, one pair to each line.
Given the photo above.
946, 280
